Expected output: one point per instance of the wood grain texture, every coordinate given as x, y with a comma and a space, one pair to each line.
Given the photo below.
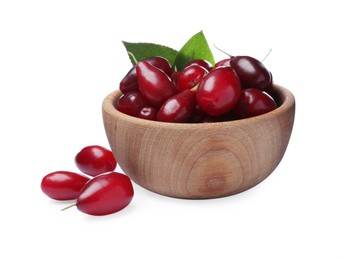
200, 161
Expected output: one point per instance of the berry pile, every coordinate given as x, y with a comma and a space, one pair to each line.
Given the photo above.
99, 191
191, 90
234, 88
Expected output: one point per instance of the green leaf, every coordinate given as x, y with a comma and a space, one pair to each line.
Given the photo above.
196, 48
141, 51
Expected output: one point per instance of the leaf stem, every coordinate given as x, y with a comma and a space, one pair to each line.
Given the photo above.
133, 57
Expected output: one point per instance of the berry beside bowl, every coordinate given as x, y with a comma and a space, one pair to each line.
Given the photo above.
200, 160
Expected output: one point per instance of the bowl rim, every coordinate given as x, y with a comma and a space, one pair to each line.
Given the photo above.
283, 96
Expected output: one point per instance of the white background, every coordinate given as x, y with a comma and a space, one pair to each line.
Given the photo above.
59, 59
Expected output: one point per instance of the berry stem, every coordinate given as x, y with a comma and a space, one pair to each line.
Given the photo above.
266, 55
222, 51
68, 207
195, 88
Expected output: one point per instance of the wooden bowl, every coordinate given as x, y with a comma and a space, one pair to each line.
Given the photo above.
204, 160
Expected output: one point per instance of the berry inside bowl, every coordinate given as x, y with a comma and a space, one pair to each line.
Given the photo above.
200, 160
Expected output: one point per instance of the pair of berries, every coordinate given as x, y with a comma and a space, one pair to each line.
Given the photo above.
99, 191
233, 88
